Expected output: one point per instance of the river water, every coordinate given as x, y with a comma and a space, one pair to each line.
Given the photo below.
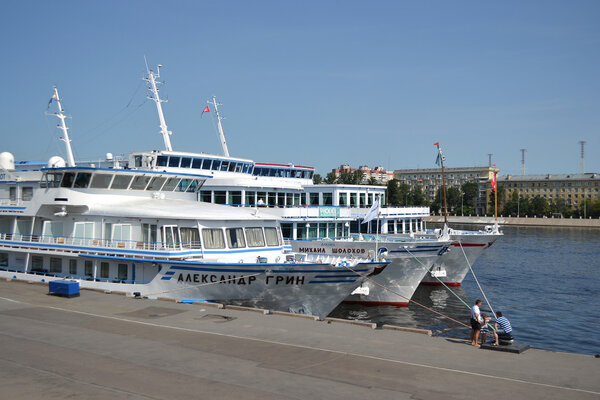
546, 281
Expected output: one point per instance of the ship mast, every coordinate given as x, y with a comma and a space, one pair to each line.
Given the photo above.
61, 115
219, 118
151, 79
441, 158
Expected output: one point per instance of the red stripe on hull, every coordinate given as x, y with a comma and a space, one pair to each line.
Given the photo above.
440, 283
378, 303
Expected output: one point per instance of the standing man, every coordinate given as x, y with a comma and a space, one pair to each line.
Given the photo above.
475, 323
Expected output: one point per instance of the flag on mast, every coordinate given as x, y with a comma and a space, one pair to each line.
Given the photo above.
372, 214
54, 97
206, 109
494, 182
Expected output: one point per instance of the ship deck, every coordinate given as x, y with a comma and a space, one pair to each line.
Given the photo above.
102, 345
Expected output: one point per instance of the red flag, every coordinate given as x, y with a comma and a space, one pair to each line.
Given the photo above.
206, 109
494, 182
436, 143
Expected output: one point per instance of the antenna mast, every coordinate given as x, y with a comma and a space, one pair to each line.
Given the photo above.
151, 79
219, 118
582, 143
523, 161
61, 115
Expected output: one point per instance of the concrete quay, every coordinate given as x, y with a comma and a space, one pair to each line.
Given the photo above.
99, 345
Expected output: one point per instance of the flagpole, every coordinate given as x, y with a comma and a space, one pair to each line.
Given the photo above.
496, 197
443, 182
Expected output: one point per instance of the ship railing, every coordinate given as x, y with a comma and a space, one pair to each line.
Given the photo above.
102, 243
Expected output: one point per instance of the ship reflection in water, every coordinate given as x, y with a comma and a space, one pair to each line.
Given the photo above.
436, 298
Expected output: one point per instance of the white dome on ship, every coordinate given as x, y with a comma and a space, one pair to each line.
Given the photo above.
56, 162
7, 161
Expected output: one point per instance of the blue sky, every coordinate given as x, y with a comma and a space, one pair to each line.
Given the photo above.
318, 83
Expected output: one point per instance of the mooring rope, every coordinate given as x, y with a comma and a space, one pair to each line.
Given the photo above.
404, 297
477, 281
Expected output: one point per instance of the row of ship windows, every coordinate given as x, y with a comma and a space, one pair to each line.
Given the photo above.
82, 180
230, 166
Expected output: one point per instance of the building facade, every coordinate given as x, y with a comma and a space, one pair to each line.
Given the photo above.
430, 180
570, 188
380, 175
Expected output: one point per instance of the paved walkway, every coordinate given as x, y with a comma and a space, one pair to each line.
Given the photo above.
98, 346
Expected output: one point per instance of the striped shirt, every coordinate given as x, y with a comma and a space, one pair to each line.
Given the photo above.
504, 324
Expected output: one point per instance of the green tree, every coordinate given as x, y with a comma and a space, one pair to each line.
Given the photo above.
453, 198
393, 193
372, 181
331, 178
540, 207
417, 197
317, 179
404, 190
470, 192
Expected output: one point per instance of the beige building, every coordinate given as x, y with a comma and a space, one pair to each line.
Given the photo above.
430, 180
572, 188
380, 175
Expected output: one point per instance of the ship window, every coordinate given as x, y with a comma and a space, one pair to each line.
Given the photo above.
72, 267
255, 237
3, 259
170, 185
287, 230
161, 161
52, 229
216, 165
183, 185
197, 163
231, 166
156, 183
137, 161
140, 182
239, 167
220, 197
206, 196
235, 198
189, 238
101, 181
206, 163
213, 238
68, 179
121, 181
27, 193
314, 199
250, 198
194, 185
55, 265
224, 165
37, 263
104, 268
88, 268
186, 162
122, 272
174, 161
272, 237
235, 238
328, 199
12, 193
51, 180
121, 232
82, 180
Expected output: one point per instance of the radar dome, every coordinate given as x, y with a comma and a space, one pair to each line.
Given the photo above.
7, 161
56, 162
